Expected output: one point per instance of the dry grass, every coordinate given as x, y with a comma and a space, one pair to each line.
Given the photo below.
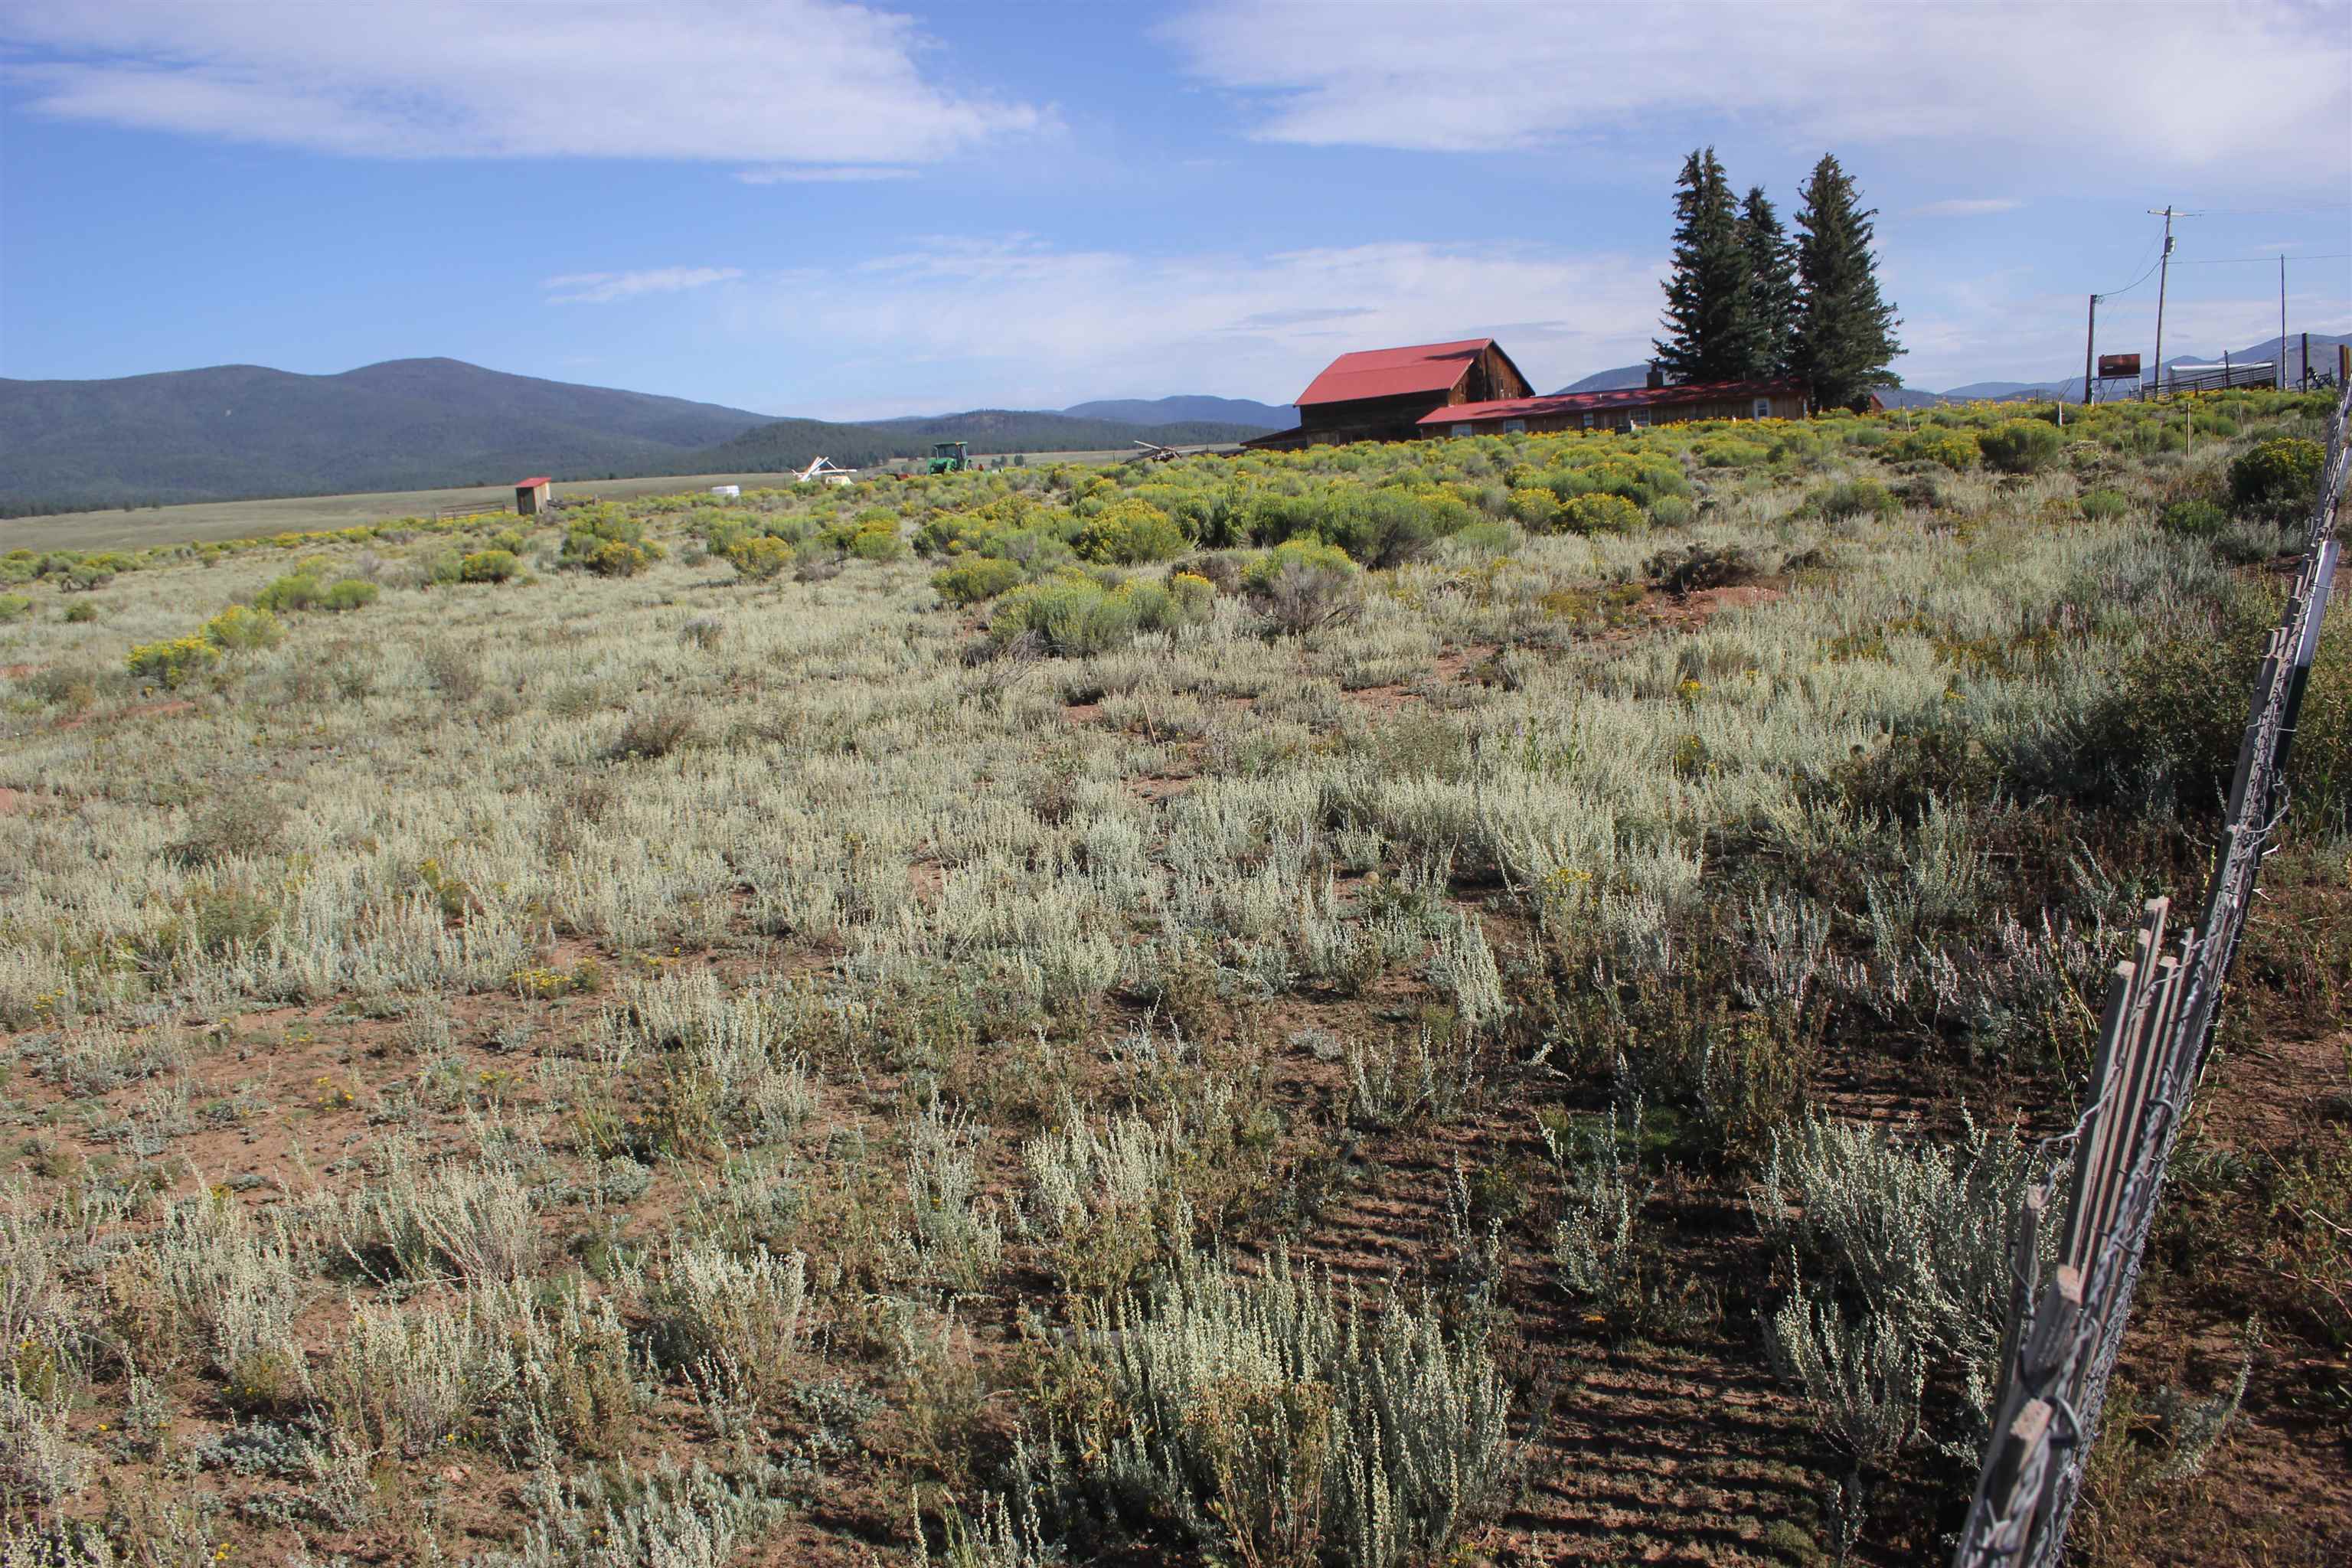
510, 1075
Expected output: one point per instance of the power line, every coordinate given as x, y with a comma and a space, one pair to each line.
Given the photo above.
2274, 256
2271, 212
2135, 282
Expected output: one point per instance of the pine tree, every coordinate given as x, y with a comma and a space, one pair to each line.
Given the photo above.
1772, 283
1709, 320
1845, 332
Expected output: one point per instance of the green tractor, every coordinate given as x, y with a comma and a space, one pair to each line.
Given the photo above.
949, 457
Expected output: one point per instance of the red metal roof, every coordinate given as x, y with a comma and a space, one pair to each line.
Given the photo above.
1622, 398
533, 483
1392, 372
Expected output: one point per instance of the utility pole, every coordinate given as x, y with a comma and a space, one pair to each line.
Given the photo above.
2164, 270
2278, 382
2089, 340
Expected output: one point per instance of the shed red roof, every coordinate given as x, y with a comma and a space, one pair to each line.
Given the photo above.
1621, 397
1392, 372
533, 483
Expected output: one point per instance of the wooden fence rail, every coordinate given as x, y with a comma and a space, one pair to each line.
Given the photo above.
2063, 1334
471, 509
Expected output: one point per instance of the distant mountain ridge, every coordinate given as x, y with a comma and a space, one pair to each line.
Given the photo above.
250, 433
236, 432
1175, 410
2323, 355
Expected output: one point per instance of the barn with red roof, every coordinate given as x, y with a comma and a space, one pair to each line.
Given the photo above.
1382, 394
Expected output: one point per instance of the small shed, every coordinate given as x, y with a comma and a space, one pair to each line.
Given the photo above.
532, 494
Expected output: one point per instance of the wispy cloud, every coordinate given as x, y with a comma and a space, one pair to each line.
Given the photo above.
1967, 206
1963, 76
1302, 316
604, 288
798, 175
1066, 324
822, 82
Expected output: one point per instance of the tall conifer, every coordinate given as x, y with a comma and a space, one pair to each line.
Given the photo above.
1709, 321
1845, 332
1772, 283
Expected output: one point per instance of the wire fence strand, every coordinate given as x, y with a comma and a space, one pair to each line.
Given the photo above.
2155, 1038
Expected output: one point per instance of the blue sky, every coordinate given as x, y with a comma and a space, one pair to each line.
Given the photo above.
806, 206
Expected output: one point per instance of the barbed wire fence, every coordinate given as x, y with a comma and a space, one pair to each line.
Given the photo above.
2064, 1332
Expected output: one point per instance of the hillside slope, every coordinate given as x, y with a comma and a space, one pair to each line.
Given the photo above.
236, 431
1175, 410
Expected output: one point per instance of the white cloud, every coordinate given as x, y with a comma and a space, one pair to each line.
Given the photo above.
824, 82
1967, 206
604, 287
802, 174
1012, 321
1968, 77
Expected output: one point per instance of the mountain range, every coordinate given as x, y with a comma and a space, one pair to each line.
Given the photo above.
2062, 388
247, 432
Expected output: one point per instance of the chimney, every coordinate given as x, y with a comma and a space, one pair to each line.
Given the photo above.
1657, 375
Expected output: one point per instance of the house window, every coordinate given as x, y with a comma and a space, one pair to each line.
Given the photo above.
1515, 426
1462, 430
1587, 419
1763, 408
1637, 419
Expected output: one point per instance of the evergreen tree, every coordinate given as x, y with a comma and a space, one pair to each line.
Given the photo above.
1709, 321
1772, 283
1845, 332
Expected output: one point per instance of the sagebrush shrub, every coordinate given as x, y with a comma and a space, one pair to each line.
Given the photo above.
1919, 1235
1535, 509
239, 629
2099, 505
2281, 474
1073, 616
1129, 533
295, 591
878, 541
1862, 1378
760, 557
240, 822
1600, 513
1955, 449
1698, 567
1298, 586
170, 663
1272, 1418
608, 544
655, 731
1853, 498
488, 566
970, 581
732, 1324
2194, 517
2020, 446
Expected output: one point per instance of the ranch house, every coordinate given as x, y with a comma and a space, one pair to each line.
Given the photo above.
1627, 408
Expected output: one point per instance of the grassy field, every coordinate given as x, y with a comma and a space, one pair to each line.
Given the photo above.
151, 526
1479, 1002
